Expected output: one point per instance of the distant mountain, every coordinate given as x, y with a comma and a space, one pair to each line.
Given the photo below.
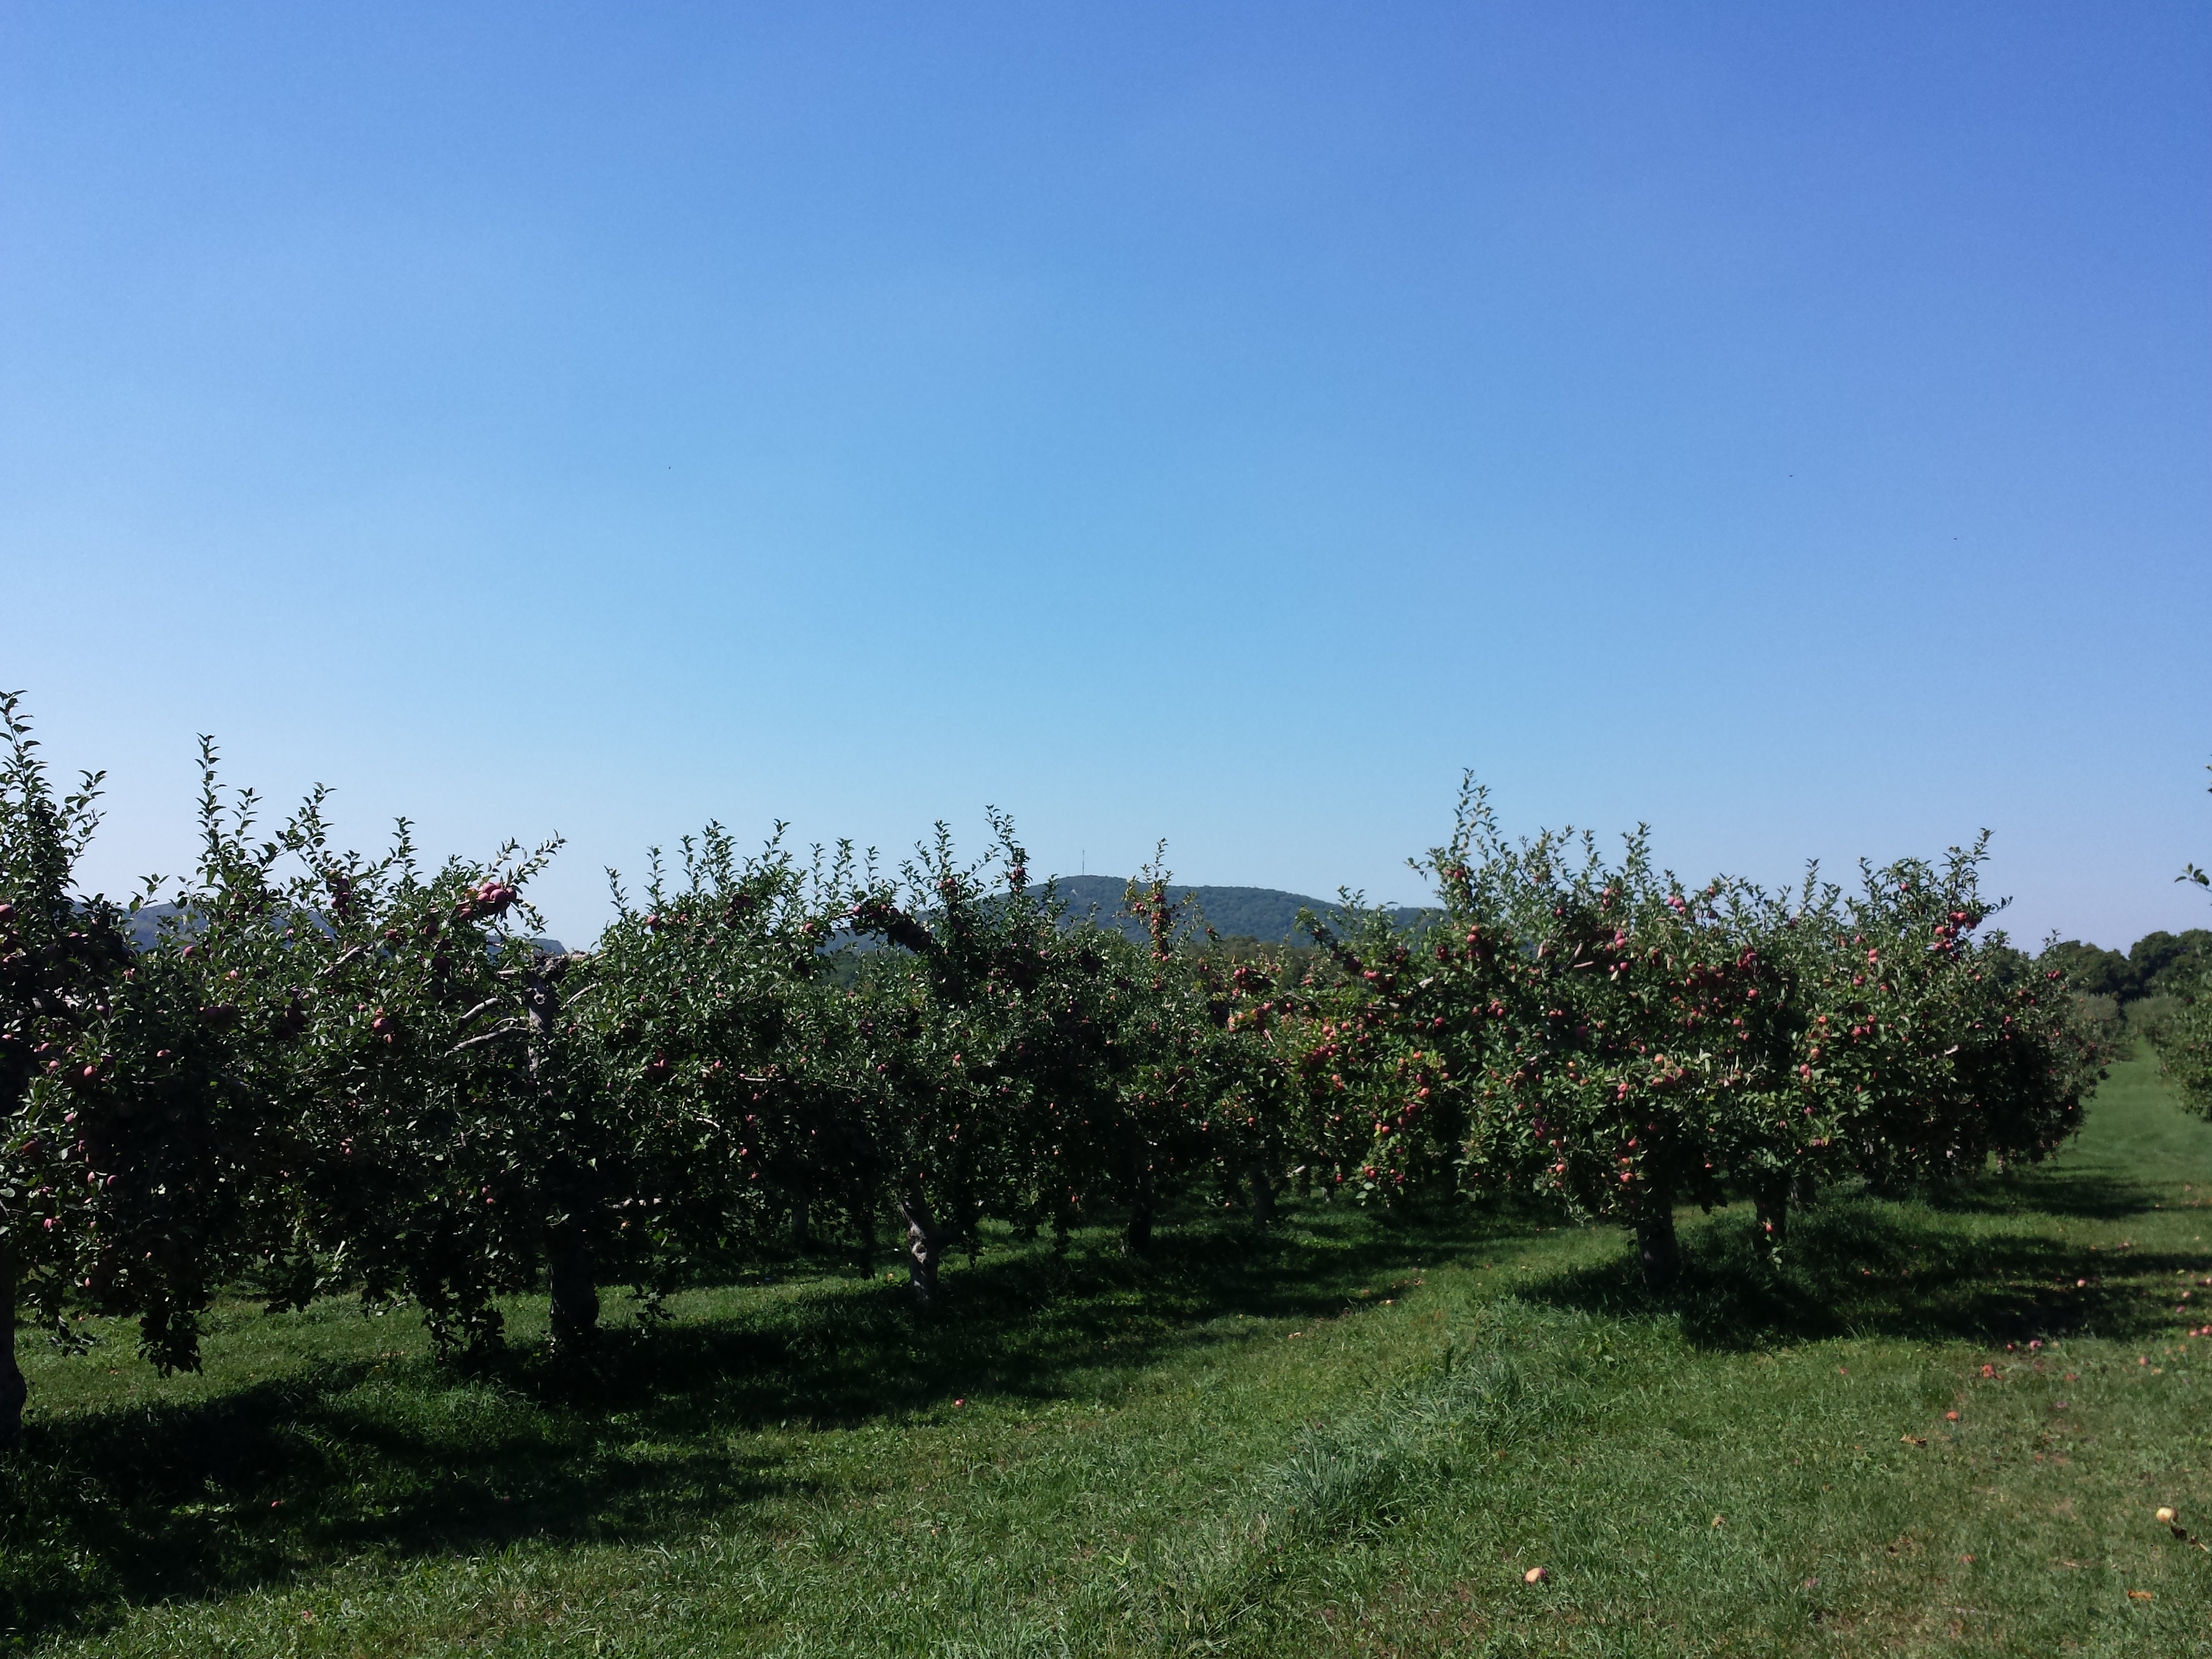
1266, 914
146, 925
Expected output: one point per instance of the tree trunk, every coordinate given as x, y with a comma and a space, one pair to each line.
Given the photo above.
575, 1294
570, 1284
1137, 1238
1263, 1193
924, 1245
1656, 1251
14, 1391
864, 1221
802, 1236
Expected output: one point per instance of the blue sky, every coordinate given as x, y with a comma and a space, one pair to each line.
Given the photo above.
1791, 425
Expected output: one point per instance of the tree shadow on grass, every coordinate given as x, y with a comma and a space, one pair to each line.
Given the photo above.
1021, 1324
168, 1500
2056, 1190
1862, 1267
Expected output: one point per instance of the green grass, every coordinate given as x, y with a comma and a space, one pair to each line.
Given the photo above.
1351, 1436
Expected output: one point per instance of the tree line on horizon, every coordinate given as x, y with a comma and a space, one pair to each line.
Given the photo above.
326, 1072
2159, 964
2159, 990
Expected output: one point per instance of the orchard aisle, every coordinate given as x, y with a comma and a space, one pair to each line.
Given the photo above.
1355, 1437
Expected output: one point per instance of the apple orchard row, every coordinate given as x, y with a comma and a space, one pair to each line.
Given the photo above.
329, 1072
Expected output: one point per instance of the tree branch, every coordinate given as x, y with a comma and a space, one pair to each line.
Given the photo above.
509, 1029
349, 956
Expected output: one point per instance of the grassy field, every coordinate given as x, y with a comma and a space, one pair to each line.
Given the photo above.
1350, 1437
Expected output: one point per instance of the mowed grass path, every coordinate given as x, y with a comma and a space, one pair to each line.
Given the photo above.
1350, 1437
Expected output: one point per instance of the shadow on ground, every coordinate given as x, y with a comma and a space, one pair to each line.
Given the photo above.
1862, 1266
166, 1500
2060, 1189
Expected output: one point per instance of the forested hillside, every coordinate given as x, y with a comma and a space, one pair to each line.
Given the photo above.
1268, 915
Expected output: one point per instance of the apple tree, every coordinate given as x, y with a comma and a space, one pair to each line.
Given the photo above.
992, 1042
718, 1091
143, 1164
1933, 1046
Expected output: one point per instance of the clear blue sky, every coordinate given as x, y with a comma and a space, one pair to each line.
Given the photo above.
1791, 425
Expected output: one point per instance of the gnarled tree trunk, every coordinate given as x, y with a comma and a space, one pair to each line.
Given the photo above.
1263, 1192
925, 1244
1657, 1253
